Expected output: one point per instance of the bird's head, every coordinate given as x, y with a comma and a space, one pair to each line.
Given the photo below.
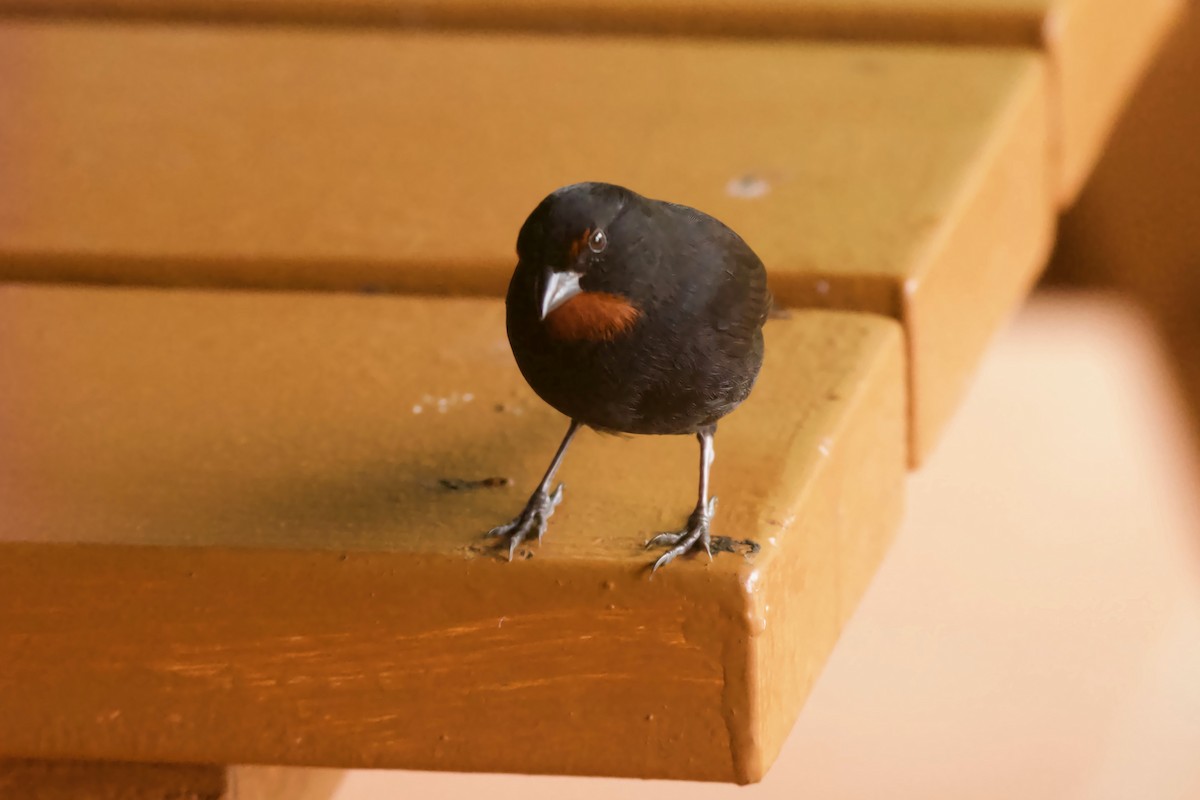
577, 244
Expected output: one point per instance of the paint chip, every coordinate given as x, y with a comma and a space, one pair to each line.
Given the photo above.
748, 186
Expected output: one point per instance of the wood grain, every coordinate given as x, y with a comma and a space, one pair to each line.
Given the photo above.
226, 539
911, 182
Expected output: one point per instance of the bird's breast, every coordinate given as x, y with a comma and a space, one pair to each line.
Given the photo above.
592, 317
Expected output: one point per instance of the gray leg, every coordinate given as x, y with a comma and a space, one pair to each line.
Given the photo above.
697, 533
536, 516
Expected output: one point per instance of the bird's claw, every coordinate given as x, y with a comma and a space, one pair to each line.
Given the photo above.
695, 534
532, 520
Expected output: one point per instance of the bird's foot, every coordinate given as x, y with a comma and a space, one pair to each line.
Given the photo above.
694, 536
531, 522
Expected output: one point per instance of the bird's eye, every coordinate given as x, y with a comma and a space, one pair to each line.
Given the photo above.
597, 241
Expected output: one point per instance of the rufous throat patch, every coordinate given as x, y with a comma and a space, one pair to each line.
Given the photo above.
592, 317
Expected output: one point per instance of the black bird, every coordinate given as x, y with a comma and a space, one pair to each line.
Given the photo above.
638, 316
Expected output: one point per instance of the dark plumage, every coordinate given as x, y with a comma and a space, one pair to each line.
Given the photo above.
636, 316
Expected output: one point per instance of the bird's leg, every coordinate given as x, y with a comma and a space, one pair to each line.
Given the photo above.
541, 505
696, 533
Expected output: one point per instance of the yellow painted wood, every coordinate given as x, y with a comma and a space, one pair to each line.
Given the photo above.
1097, 49
912, 182
226, 537
94, 780
1061, 511
1134, 229
1100, 50
89, 780
986, 21
283, 783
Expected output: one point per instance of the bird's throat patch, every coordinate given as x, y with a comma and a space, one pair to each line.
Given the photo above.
592, 317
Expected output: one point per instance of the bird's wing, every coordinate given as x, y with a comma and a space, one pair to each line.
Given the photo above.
742, 301
737, 300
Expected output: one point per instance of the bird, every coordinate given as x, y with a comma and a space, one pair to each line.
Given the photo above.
630, 315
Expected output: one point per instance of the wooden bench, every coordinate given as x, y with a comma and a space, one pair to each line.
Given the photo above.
226, 535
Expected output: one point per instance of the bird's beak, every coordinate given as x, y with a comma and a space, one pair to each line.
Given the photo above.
558, 288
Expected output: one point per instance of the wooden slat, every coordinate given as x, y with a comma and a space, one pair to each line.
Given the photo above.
1097, 48
1134, 229
225, 538
94, 780
1034, 632
74, 780
911, 182
282, 783
1002, 22
1100, 50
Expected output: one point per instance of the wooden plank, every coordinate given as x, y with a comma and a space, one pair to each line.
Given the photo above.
283, 783
1050, 653
911, 182
1097, 49
96, 780
1134, 227
83, 780
225, 538
1101, 49
999, 22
